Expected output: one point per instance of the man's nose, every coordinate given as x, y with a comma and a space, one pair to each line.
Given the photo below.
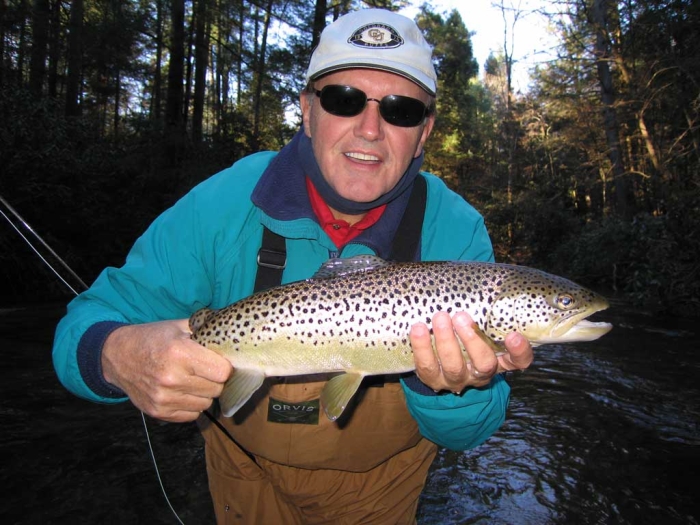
370, 125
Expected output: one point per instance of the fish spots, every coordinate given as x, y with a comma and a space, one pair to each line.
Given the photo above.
375, 309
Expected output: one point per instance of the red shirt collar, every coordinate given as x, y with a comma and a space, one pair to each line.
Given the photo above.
340, 231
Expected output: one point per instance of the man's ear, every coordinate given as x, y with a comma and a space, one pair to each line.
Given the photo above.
306, 103
427, 130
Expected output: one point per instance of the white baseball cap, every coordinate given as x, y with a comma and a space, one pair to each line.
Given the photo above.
375, 39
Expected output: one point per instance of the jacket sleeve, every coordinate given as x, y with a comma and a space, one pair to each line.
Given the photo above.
460, 422
466, 420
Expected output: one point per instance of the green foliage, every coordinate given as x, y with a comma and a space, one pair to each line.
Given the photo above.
89, 198
531, 228
457, 103
653, 260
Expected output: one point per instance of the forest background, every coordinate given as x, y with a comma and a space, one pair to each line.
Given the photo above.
110, 110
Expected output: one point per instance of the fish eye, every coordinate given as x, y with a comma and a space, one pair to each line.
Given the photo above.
565, 301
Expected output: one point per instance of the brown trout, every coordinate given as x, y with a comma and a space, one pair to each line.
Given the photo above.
354, 315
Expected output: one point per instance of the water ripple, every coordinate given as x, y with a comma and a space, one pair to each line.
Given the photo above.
597, 433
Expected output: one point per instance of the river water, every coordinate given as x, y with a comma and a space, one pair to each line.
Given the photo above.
597, 433
600, 432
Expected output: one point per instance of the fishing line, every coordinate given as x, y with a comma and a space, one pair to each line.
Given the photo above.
65, 265
155, 465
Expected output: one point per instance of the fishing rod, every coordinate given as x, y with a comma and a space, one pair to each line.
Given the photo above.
20, 225
24, 224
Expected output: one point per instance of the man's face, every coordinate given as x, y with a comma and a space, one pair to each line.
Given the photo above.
363, 157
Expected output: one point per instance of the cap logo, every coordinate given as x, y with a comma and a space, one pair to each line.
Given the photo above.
376, 35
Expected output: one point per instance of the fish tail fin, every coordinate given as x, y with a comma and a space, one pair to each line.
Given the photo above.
337, 393
238, 389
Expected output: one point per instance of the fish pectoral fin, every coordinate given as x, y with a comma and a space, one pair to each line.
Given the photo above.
337, 393
497, 349
238, 389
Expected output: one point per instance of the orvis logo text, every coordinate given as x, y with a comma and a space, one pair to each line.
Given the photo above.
301, 413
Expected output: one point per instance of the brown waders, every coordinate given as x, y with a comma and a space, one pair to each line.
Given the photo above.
290, 465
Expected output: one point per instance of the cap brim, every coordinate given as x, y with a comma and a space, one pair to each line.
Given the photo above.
414, 75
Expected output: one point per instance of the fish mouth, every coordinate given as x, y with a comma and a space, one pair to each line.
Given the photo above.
585, 330
578, 328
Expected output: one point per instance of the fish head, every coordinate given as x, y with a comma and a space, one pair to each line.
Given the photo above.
546, 309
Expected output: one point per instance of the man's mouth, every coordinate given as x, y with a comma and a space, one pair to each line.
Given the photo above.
362, 156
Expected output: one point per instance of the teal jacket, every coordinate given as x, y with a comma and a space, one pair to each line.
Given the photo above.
202, 252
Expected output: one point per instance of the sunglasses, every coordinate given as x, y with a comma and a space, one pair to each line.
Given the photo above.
397, 110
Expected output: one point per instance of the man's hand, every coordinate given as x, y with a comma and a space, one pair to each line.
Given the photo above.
165, 374
444, 367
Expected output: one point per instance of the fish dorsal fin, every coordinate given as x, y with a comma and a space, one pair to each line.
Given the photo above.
199, 318
340, 267
241, 385
337, 393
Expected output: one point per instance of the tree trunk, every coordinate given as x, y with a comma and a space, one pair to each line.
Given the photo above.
173, 106
220, 58
3, 11
24, 13
201, 54
189, 66
40, 38
260, 66
623, 197
117, 101
75, 59
239, 65
54, 47
319, 22
156, 97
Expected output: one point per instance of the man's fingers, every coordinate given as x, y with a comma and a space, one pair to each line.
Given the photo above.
176, 405
207, 364
448, 350
176, 416
443, 366
427, 365
441, 362
482, 361
519, 355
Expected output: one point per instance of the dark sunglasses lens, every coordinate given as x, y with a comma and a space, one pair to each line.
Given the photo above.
343, 101
402, 111
347, 101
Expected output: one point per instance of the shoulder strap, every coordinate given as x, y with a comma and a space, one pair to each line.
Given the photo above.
272, 259
407, 239
272, 256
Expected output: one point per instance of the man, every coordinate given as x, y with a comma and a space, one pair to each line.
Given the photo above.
347, 184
